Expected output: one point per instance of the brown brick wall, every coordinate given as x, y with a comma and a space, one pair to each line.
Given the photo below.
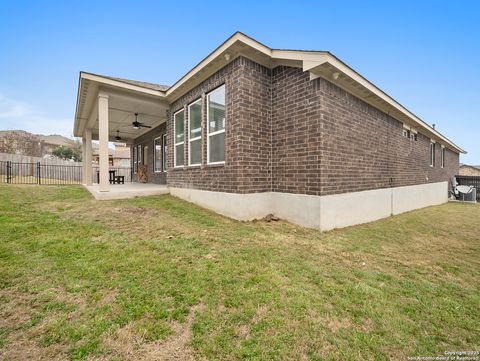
363, 148
327, 141
296, 132
147, 140
286, 133
246, 168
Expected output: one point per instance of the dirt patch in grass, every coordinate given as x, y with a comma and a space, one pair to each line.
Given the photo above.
127, 344
27, 316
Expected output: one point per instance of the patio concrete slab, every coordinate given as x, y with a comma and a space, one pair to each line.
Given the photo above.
128, 190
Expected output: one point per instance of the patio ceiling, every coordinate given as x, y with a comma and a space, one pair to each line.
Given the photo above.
124, 101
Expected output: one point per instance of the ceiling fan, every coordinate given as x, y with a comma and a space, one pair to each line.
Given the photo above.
118, 137
137, 125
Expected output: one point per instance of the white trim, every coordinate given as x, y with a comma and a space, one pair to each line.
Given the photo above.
237, 37
179, 143
155, 155
164, 152
442, 156
190, 140
314, 67
218, 131
431, 154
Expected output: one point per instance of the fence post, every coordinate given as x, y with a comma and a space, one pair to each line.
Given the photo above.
9, 171
38, 173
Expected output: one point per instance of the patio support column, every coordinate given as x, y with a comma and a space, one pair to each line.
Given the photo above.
103, 139
88, 157
84, 163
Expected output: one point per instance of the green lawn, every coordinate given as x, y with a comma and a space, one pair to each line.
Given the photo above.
158, 278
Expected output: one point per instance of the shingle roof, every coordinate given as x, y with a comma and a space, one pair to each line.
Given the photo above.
471, 166
144, 84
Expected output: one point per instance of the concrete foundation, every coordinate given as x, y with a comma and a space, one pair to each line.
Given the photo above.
320, 212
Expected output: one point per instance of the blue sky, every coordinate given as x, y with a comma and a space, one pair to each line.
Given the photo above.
425, 54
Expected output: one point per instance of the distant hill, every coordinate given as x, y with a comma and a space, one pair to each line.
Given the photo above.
52, 139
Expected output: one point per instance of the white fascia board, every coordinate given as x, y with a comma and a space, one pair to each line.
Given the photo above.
77, 129
217, 52
349, 72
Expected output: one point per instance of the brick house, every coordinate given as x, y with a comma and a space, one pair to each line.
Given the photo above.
469, 170
253, 130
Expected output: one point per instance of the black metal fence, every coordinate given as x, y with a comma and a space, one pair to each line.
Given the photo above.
470, 181
51, 174
37, 173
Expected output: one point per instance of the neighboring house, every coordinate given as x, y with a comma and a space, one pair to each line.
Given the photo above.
253, 130
55, 141
469, 170
119, 156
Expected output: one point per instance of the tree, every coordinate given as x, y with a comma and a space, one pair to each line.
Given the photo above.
20, 142
68, 153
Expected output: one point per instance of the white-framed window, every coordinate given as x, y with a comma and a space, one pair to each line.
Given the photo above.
135, 156
178, 138
432, 154
139, 155
443, 157
157, 155
195, 133
216, 126
164, 152
145, 155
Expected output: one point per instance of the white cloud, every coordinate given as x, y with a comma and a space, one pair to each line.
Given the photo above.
15, 114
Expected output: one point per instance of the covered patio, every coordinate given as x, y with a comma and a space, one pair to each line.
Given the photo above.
127, 190
116, 110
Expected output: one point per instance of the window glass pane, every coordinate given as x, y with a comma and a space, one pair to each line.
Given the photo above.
196, 151
139, 156
164, 154
158, 154
216, 110
179, 127
179, 154
217, 147
134, 159
195, 119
